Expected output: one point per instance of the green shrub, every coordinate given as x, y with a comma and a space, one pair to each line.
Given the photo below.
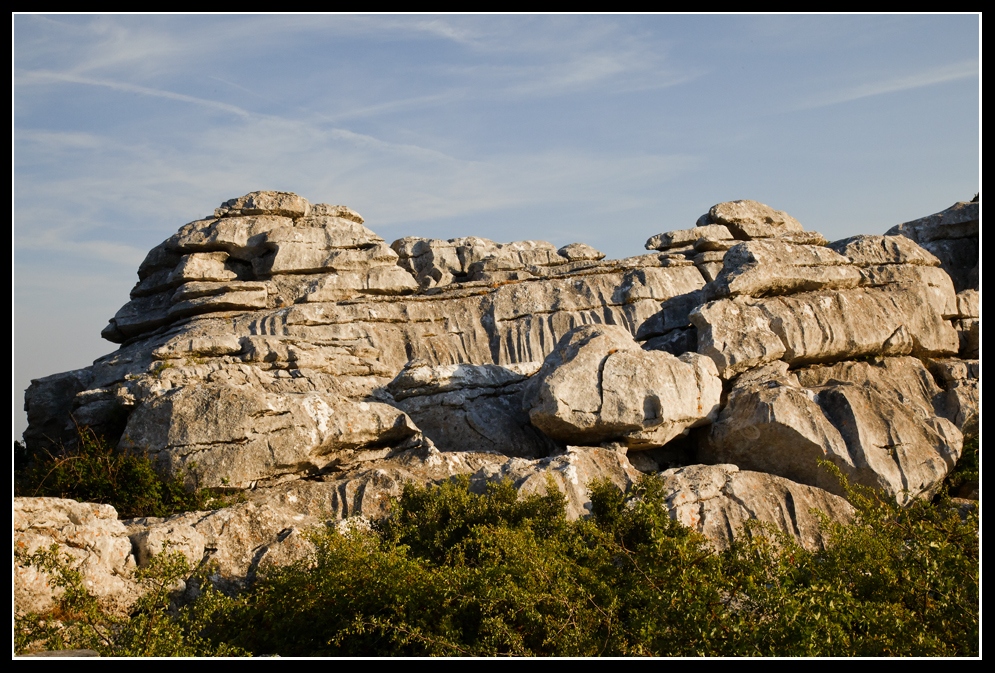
458, 574
453, 573
79, 622
96, 472
968, 468
894, 582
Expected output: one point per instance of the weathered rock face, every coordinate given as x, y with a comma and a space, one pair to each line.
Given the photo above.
285, 348
716, 500
749, 219
90, 534
460, 407
952, 236
882, 424
599, 385
243, 435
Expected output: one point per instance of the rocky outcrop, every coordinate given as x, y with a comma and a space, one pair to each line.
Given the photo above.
90, 534
717, 500
952, 236
881, 424
285, 349
599, 385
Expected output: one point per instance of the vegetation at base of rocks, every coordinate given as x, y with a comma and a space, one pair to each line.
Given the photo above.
457, 574
453, 573
96, 472
154, 628
968, 467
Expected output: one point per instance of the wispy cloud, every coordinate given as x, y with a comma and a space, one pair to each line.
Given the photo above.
52, 243
43, 141
41, 76
929, 77
397, 106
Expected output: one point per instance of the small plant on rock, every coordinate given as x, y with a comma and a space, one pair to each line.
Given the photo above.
96, 472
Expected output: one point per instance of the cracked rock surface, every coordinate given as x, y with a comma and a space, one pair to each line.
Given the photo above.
288, 350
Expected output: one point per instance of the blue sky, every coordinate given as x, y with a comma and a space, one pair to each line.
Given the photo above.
600, 129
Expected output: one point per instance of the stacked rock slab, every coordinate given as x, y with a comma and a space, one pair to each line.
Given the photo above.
285, 349
788, 300
952, 236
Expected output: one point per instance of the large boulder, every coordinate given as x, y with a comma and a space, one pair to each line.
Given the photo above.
719, 500
599, 385
239, 435
882, 425
90, 535
751, 219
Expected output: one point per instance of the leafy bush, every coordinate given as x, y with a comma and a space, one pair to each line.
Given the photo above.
79, 622
896, 581
95, 472
458, 574
452, 573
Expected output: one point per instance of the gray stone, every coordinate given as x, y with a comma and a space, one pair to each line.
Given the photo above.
683, 237
674, 314
48, 403
736, 334
882, 425
878, 250
286, 204
960, 380
968, 304
775, 267
90, 534
471, 408
706, 244
960, 220
933, 282
812, 327
242, 436
579, 252
243, 238
959, 258
325, 210
719, 500
675, 342
750, 219
952, 236
598, 385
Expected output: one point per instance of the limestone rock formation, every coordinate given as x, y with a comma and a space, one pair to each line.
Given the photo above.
952, 236
750, 219
882, 424
287, 350
90, 534
599, 385
717, 500
480, 406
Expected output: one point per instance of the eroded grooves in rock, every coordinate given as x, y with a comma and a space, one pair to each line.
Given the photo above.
285, 348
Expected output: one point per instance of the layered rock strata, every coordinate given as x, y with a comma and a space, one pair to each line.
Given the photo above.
285, 349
